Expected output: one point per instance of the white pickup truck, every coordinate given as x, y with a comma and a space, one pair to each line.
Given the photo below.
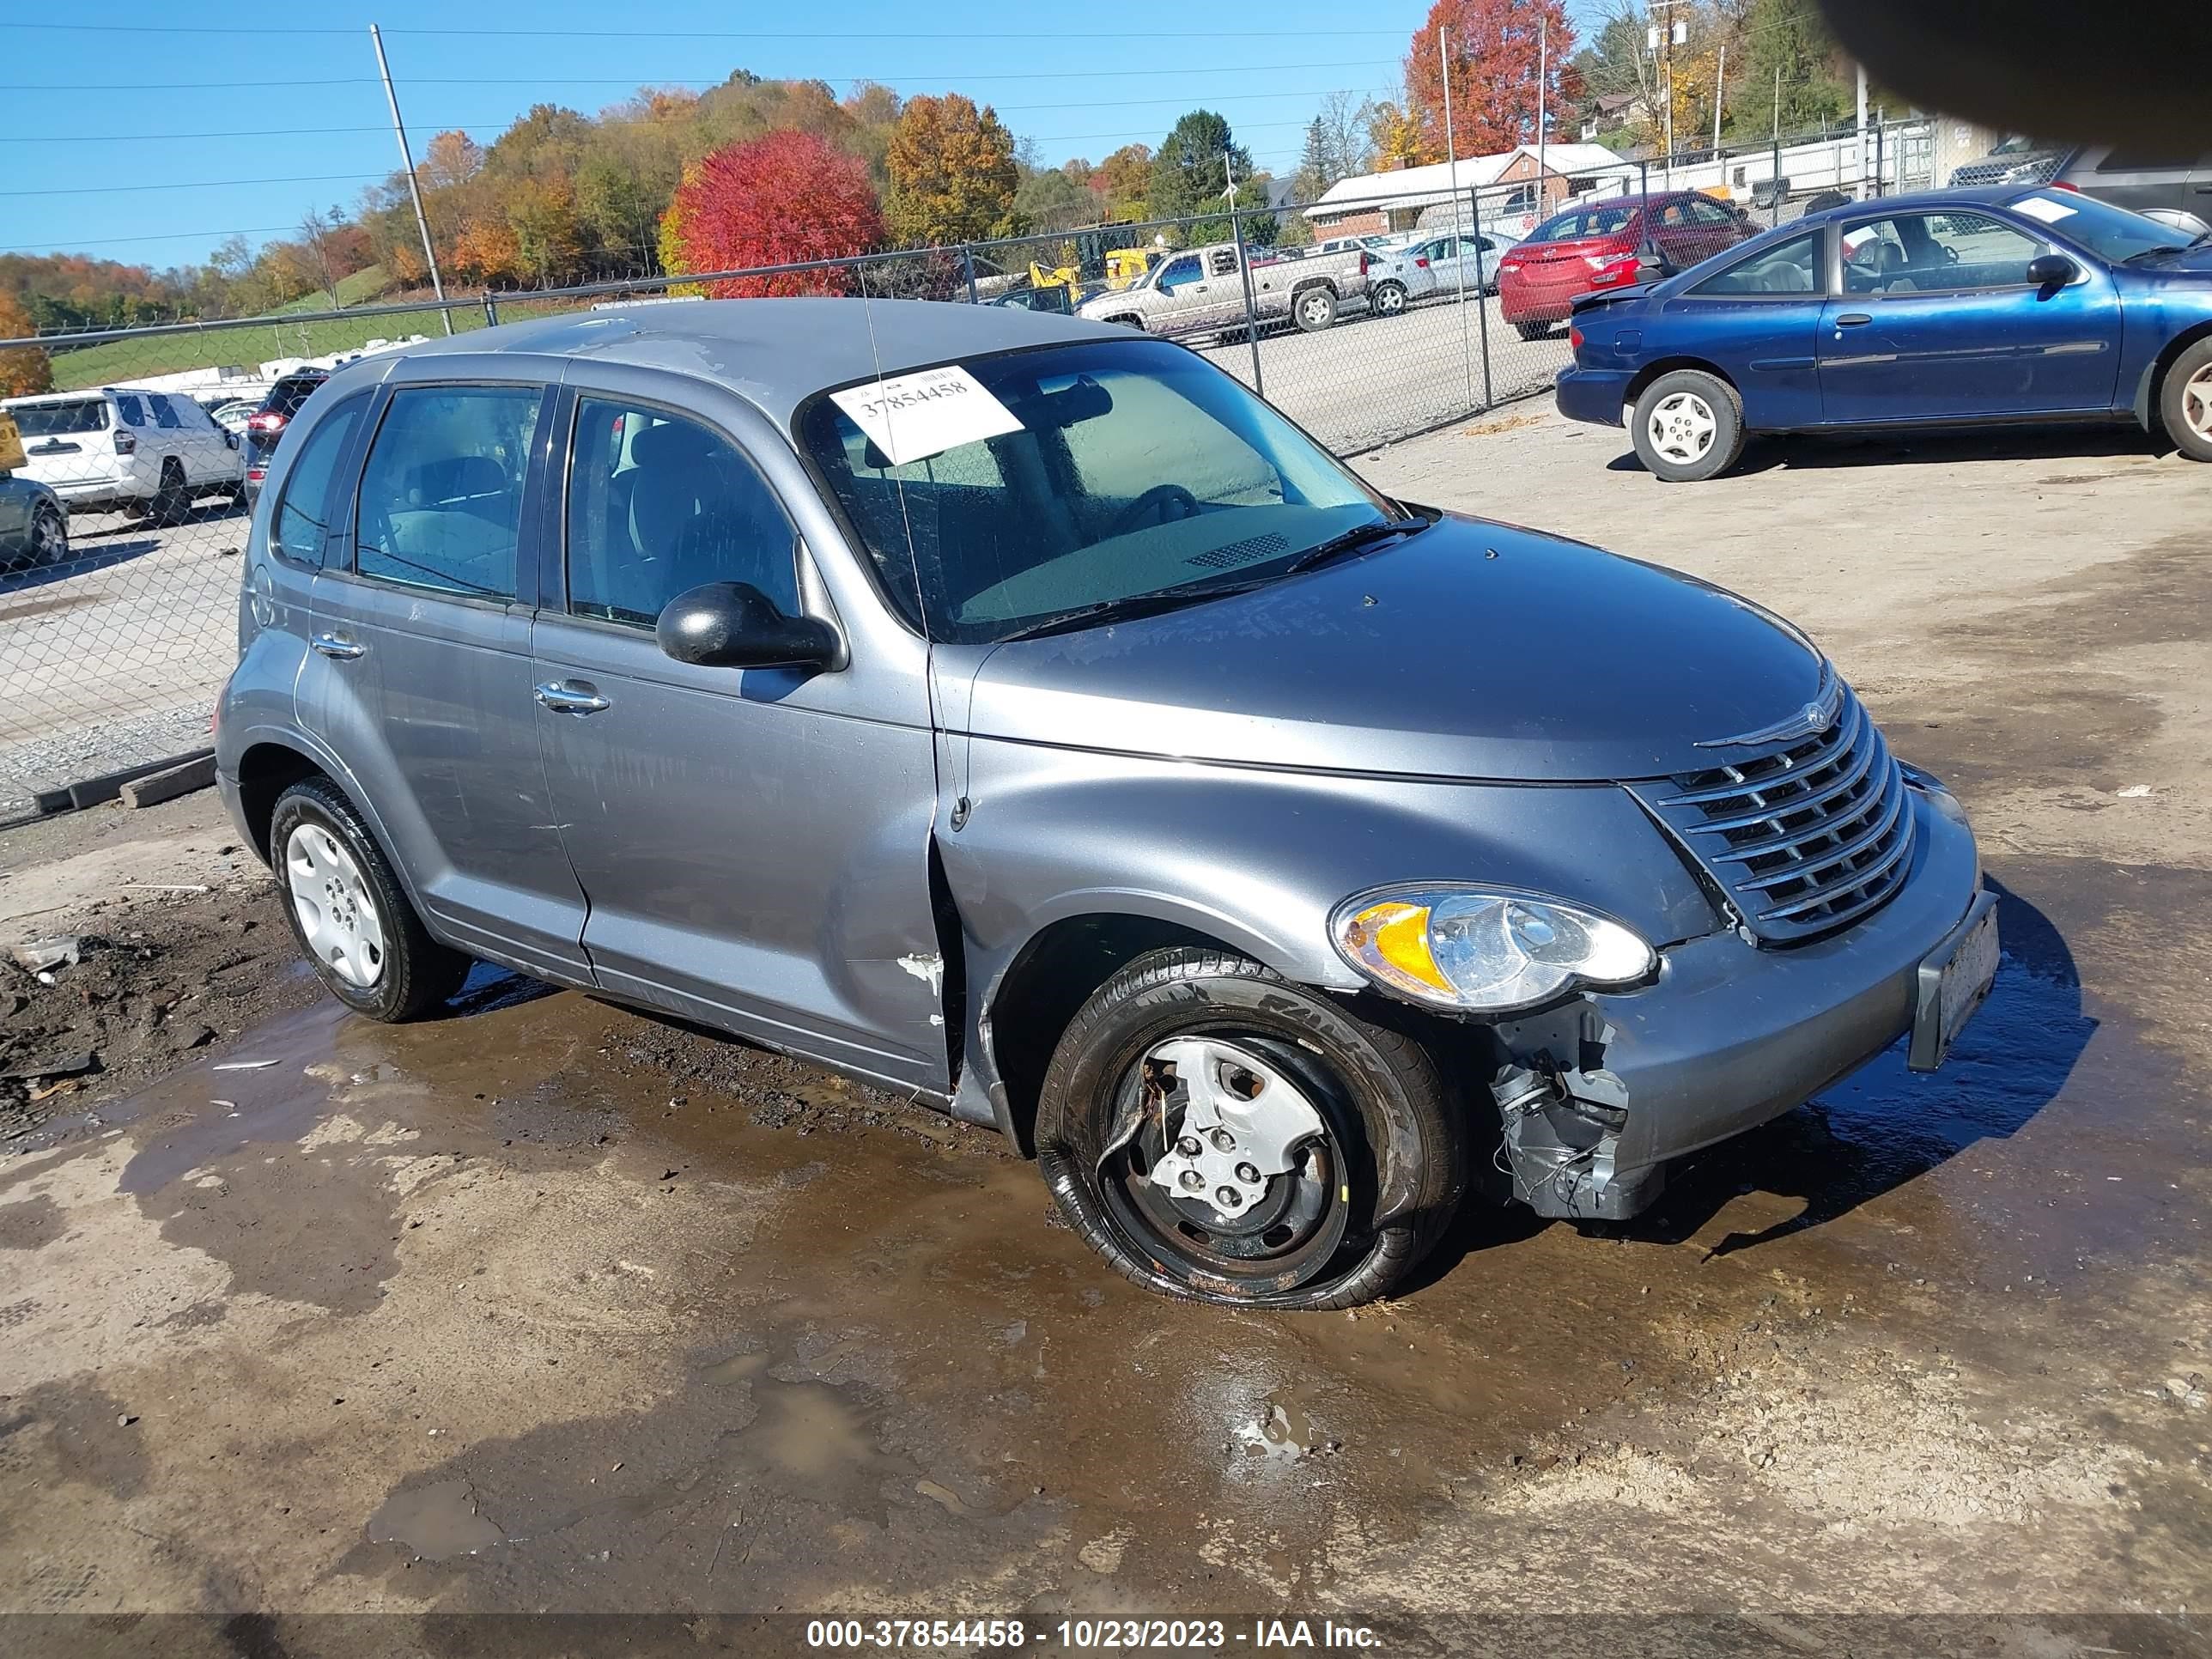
1200, 290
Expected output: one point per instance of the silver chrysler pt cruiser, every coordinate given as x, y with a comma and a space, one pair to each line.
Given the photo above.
1027, 718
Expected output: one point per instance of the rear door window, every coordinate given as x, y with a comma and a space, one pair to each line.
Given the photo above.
164, 416
303, 518
441, 493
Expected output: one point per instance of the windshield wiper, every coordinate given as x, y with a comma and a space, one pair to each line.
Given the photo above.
1129, 609
1351, 541
2164, 247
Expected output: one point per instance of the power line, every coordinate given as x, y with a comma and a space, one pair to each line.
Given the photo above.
665, 81
205, 184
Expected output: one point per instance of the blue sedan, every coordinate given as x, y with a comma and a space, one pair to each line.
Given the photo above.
1959, 307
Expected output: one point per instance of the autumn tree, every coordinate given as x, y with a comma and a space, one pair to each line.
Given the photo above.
1494, 47
783, 199
26, 369
952, 173
452, 158
1124, 180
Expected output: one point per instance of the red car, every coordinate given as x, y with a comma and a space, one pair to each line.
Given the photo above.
1604, 244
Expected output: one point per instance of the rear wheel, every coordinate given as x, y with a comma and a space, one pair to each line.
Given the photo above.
2184, 402
172, 501
1389, 299
1688, 427
1221, 1135
349, 913
1314, 309
1532, 330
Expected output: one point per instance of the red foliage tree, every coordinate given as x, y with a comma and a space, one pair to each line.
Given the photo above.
781, 199
1493, 51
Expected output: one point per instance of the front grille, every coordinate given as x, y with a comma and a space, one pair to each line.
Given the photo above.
1803, 838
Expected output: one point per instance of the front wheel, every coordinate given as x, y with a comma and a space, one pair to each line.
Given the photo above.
1688, 427
2184, 402
349, 913
49, 535
1314, 310
1221, 1135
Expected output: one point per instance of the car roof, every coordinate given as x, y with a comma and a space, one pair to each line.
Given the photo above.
78, 396
774, 352
1979, 195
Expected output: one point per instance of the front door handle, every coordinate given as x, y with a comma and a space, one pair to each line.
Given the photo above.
344, 646
571, 697
1853, 319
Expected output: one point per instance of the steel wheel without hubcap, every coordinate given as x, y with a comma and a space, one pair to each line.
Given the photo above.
1233, 1172
1681, 428
2196, 403
337, 915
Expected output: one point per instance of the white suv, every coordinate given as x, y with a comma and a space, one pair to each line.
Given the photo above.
153, 452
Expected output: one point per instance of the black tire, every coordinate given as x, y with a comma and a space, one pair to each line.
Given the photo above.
1386, 1173
172, 500
1388, 300
1314, 309
1534, 331
49, 544
418, 974
1130, 321
1697, 398
2186, 408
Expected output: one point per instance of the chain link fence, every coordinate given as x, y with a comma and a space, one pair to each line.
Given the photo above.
1368, 319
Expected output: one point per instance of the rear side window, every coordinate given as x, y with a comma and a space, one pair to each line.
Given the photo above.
1792, 268
441, 494
2124, 160
659, 505
303, 517
287, 395
60, 420
164, 416
128, 406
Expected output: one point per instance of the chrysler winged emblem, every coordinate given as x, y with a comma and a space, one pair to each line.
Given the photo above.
1814, 718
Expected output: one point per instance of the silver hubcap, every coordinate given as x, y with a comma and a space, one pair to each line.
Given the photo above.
1392, 299
338, 917
1681, 428
1243, 1123
1315, 309
2197, 402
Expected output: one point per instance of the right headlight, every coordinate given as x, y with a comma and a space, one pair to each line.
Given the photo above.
1476, 951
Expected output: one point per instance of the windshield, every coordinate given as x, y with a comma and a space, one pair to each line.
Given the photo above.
61, 420
2112, 233
1131, 468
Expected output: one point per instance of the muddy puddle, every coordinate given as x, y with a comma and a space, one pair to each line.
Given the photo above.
515, 1318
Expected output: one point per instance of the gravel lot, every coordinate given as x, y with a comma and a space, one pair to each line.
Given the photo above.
548, 1306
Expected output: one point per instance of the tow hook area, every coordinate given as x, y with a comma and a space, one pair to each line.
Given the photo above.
1561, 1131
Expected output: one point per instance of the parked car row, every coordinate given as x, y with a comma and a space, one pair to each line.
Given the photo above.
1952, 307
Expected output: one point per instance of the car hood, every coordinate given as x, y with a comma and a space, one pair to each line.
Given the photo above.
1471, 650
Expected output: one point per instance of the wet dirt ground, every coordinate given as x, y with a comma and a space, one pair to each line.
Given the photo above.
544, 1306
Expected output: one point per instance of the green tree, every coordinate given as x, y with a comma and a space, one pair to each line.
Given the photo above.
1788, 38
953, 177
1190, 177
1047, 200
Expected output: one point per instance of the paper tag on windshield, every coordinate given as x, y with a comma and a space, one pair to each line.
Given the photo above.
2043, 208
911, 417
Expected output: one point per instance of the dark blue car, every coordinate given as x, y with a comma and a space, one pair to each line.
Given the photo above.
1953, 307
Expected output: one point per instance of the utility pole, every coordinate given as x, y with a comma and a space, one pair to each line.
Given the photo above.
414, 186
1668, 33
1543, 69
1862, 113
1459, 240
1720, 89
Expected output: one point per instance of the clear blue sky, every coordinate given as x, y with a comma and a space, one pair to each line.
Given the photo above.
278, 123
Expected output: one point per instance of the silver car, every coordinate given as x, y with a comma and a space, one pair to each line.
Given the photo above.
1020, 715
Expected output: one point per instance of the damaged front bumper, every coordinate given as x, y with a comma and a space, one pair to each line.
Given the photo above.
1597, 1095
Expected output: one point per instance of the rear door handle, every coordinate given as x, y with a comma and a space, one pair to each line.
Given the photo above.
344, 646
571, 697
1853, 319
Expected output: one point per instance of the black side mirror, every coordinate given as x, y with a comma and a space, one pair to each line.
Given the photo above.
735, 625
2050, 271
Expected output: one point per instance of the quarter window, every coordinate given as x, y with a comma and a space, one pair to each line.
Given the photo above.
1945, 253
303, 516
1792, 268
132, 411
659, 505
164, 416
441, 494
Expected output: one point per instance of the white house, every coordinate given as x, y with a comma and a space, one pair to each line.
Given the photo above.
1507, 185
